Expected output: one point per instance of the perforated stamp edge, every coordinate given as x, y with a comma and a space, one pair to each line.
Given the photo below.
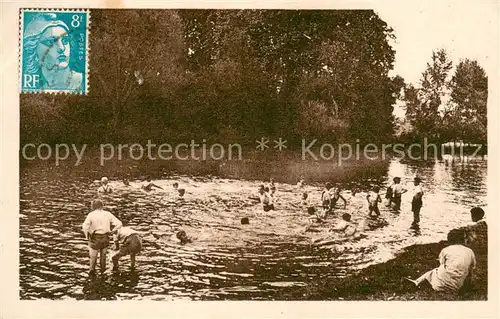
87, 50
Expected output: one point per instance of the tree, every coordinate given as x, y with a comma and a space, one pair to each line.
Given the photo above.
423, 103
131, 49
469, 95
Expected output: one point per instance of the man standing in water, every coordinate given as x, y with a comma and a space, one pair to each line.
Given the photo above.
97, 230
416, 202
397, 191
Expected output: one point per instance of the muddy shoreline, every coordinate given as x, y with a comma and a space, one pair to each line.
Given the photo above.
384, 281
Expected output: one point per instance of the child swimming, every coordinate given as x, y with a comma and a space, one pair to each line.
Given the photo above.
345, 226
373, 199
180, 191
148, 185
183, 237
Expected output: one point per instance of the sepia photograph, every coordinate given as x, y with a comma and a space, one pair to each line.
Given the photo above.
254, 153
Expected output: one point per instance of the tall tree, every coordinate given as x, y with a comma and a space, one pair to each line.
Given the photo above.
469, 95
423, 110
132, 48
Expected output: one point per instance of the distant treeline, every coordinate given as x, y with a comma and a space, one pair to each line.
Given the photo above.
237, 75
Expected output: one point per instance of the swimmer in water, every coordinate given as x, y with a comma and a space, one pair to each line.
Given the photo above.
245, 221
373, 199
301, 183
305, 200
345, 226
105, 187
148, 185
257, 196
180, 191
183, 237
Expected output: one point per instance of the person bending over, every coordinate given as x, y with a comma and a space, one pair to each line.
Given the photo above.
127, 242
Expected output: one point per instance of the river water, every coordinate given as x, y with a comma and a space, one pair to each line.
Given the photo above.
226, 260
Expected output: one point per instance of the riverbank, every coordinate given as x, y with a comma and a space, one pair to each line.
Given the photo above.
385, 281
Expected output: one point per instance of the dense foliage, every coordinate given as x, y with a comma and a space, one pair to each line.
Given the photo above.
234, 75
445, 108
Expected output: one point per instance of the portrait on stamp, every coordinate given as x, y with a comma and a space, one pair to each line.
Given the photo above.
54, 51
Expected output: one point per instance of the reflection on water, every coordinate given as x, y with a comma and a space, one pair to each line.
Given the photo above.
226, 260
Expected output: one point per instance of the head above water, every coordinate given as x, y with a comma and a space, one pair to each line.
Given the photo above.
181, 191
304, 195
346, 217
311, 210
476, 213
417, 181
456, 237
396, 180
245, 221
181, 235
126, 182
266, 189
97, 204
148, 178
175, 185
104, 180
376, 189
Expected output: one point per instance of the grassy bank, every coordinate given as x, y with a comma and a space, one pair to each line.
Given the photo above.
385, 281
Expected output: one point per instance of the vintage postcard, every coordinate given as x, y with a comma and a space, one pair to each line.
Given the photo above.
162, 155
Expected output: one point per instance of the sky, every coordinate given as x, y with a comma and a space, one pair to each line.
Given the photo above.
465, 29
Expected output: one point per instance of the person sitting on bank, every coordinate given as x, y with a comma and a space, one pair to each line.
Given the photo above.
373, 199
127, 242
416, 202
397, 191
456, 266
97, 230
265, 199
105, 187
477, 232
148, 185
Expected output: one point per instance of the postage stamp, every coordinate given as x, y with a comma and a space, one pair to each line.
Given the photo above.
54, 51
